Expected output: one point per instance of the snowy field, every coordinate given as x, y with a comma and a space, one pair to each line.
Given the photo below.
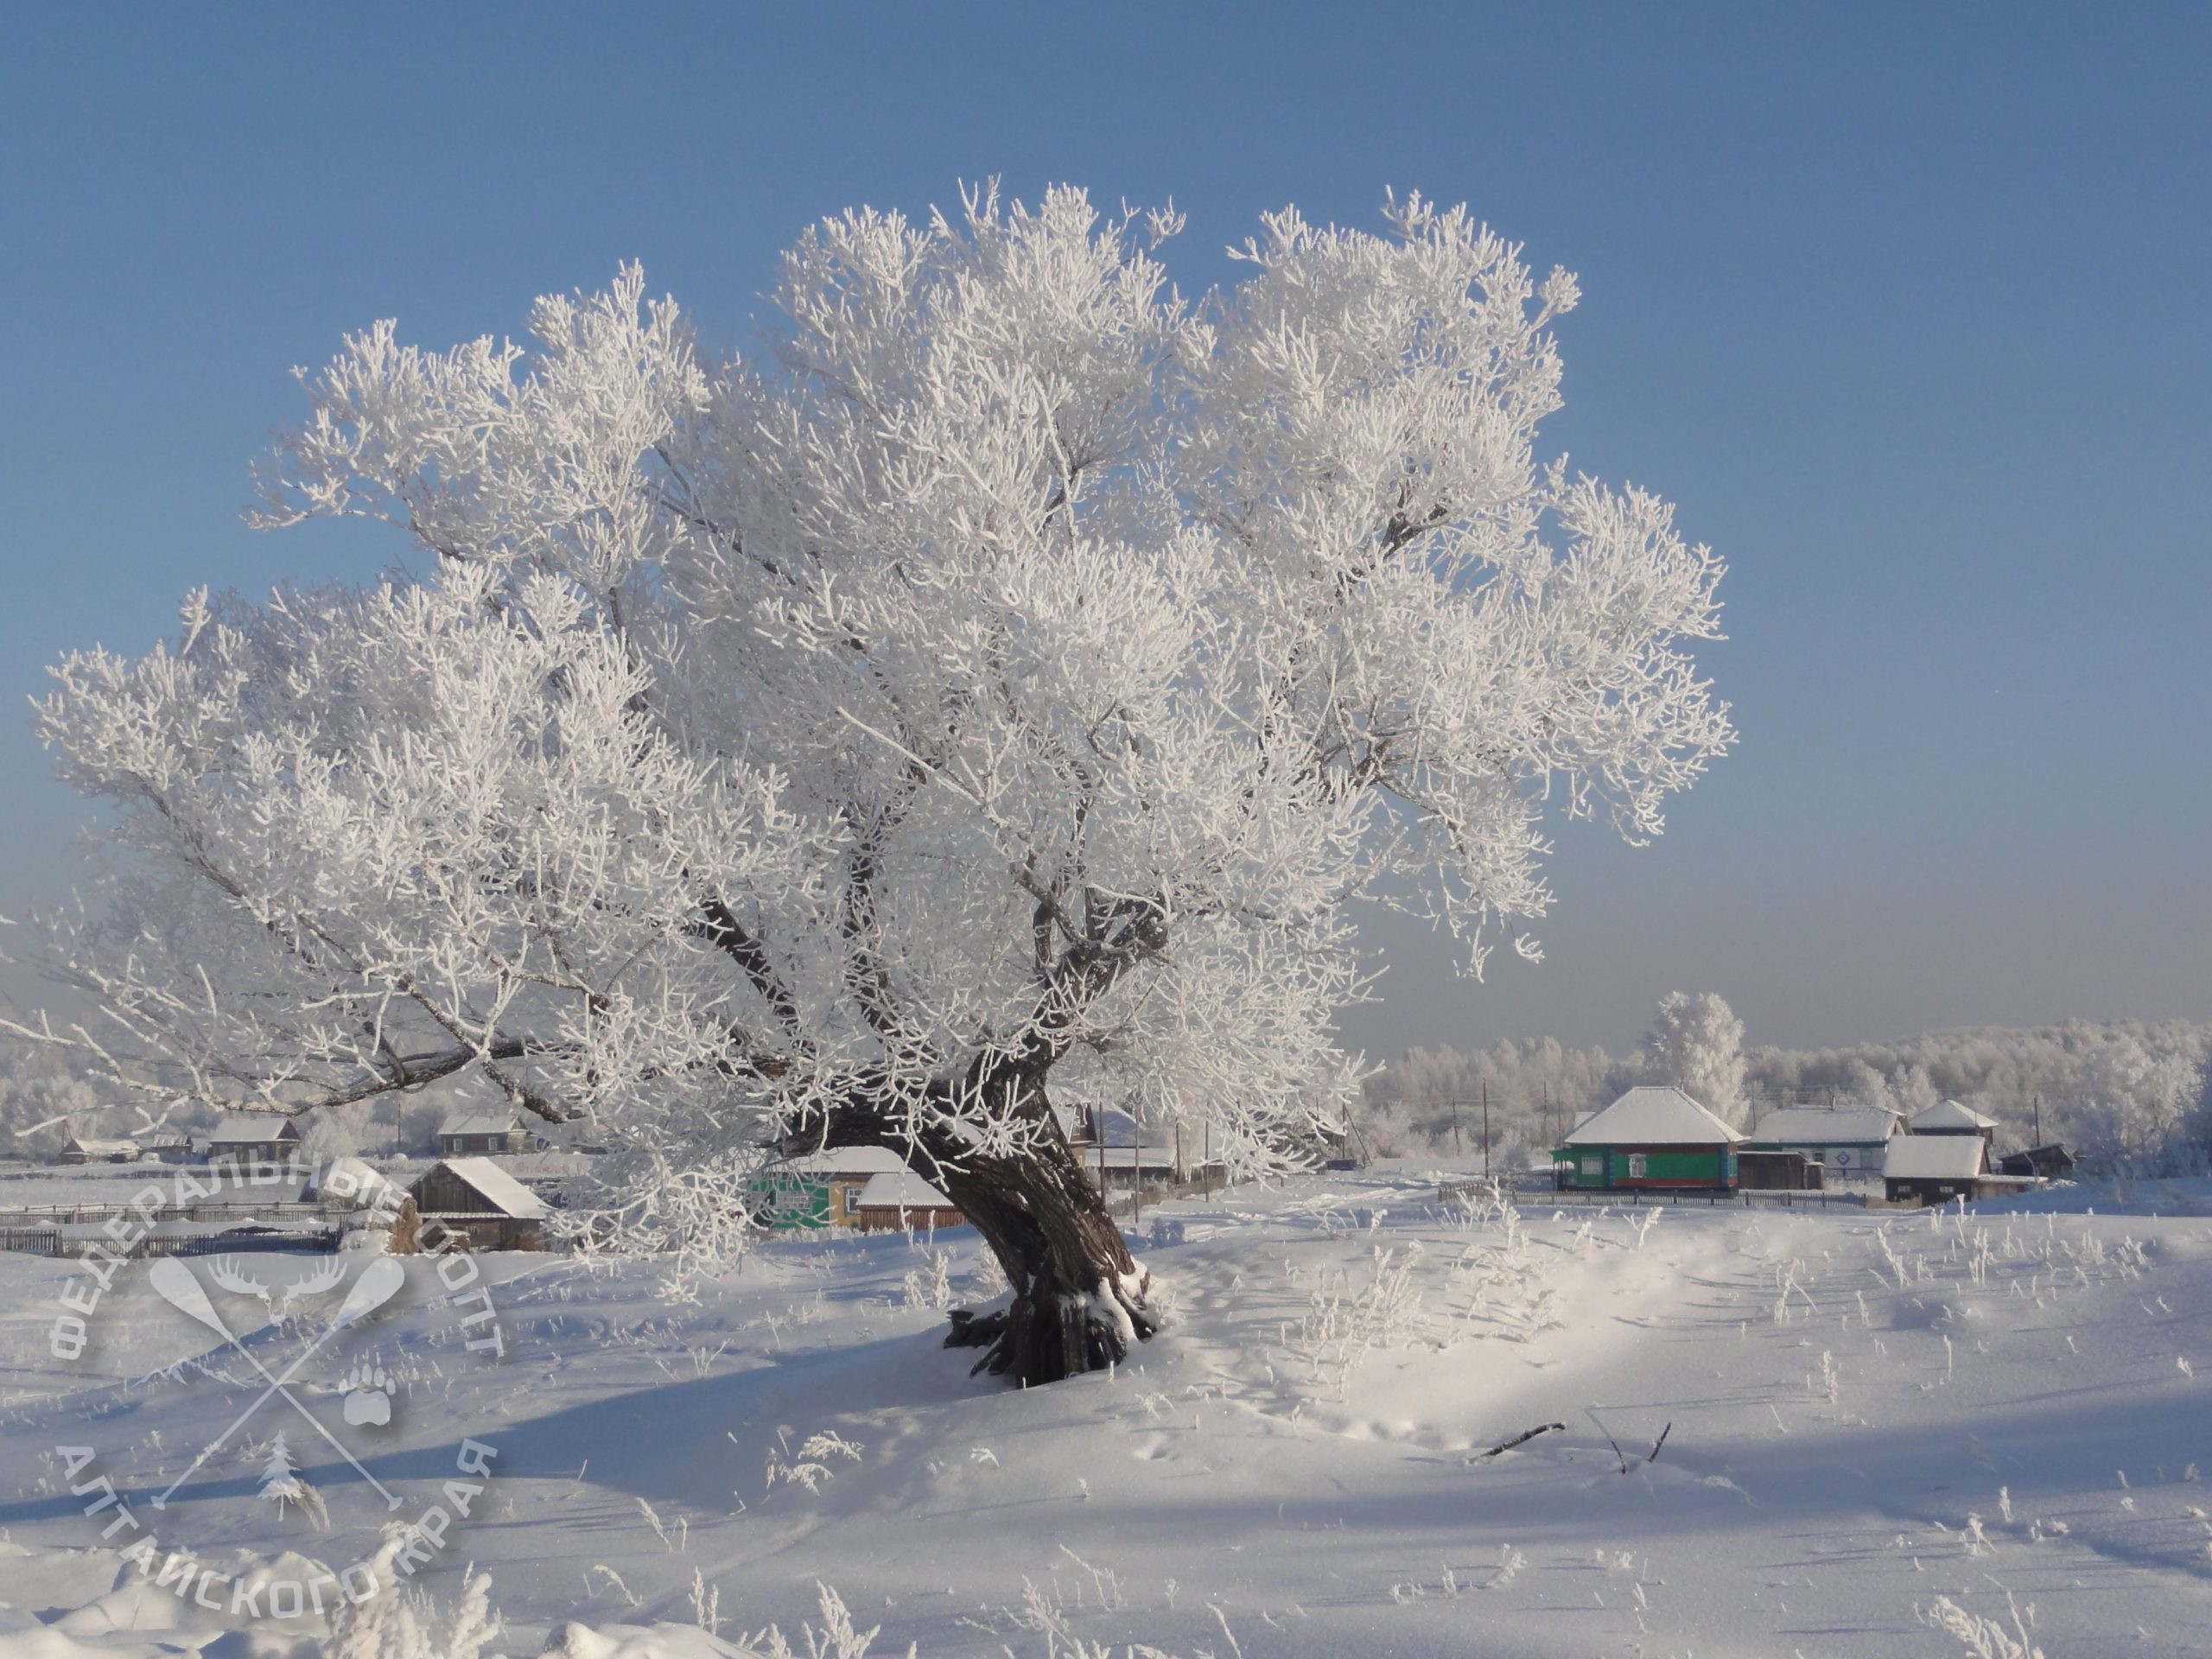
1877, 1425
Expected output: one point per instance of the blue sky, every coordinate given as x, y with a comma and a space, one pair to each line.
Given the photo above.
1907, 311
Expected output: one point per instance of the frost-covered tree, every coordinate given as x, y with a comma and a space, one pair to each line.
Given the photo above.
1696, 1042
999, 687
2135, 1102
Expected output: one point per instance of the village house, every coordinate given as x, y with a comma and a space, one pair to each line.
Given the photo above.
1846, 1142
901, 1200
1119, 1153
1927, 1169
254, 1137
1651, 1138
479, 1134
474, 1198
819, 1189
1950, 1117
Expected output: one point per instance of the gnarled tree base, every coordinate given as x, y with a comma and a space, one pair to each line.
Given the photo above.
1081, 1302
1043, 1337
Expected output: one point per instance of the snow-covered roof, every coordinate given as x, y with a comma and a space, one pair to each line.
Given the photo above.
93, 1146
480, 1123
1934, 1157
901, 1191
367, 1185
1950, 1114
1652, 1116
498, 1188
1819, 1125
249, 1128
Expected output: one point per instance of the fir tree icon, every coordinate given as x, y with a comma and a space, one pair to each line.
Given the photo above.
281, 1484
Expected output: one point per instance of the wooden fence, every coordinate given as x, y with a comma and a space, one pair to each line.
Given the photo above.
1538, 1198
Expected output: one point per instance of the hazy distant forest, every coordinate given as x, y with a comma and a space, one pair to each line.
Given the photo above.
2132, 1097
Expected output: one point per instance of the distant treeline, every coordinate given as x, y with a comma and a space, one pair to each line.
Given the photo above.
2130, 1096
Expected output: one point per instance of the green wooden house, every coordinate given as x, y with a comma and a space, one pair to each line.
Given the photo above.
816, 1189
1651, 1138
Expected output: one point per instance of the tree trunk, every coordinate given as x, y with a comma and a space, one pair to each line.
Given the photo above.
1080, 1300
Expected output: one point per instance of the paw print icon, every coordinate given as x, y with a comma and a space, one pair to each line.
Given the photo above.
368, 1389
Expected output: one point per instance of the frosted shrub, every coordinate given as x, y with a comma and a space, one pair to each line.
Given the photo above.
930, 1284
1982, 1638
398, 1623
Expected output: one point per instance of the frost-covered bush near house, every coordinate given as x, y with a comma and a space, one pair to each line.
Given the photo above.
1001, 683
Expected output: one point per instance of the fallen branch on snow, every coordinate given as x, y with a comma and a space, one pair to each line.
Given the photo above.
1523, 1438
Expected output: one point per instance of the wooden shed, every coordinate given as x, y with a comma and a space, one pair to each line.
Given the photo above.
1770, 1171
474, 1198
88, 1149
1928, 1169
1655, 1138
2052, 1163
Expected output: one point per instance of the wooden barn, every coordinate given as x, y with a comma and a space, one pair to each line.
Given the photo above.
474, 1198
1845, 1142
1928, 1169
88, 1149
1651, 1138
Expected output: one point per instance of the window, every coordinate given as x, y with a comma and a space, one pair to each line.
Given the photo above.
1638, 1165
1594, 1165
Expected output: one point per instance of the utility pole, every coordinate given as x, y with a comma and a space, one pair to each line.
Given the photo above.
1455, 1125
2038, 1120
1486, 1128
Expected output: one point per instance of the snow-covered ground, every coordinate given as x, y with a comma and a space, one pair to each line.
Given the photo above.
1866, 1414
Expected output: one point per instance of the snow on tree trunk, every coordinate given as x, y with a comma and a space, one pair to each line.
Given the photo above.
1080, 1300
